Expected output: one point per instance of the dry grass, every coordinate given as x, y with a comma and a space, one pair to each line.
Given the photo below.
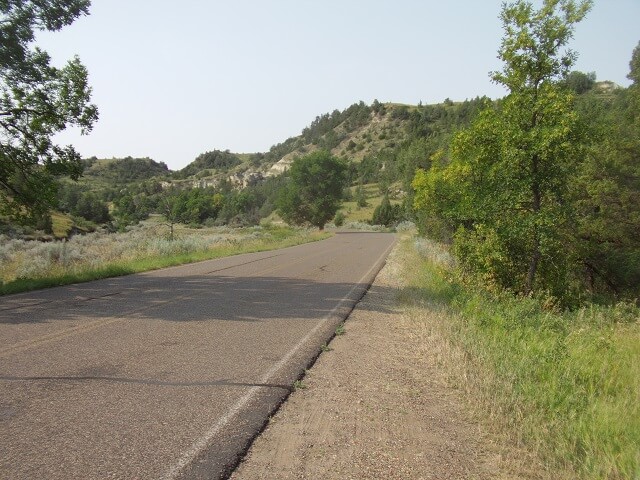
25, 265
563, 385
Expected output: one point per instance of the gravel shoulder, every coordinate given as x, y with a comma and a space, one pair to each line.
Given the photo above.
377, 404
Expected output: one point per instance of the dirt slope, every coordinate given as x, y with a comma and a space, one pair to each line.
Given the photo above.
377, 406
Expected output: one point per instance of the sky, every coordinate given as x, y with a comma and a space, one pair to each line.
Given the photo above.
175, 79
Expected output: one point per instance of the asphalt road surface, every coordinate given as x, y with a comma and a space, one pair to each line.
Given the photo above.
168, 374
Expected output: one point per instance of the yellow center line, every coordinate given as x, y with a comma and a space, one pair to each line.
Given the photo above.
52, 337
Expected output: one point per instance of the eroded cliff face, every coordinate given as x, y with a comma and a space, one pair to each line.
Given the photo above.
357, 132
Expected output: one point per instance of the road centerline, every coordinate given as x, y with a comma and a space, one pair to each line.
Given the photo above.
93, 325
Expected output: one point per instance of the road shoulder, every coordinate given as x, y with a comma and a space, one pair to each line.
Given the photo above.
378, 405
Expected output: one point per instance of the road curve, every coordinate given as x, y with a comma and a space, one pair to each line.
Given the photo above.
168, 374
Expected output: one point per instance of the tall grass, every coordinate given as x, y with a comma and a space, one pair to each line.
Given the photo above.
566, 384
28, 265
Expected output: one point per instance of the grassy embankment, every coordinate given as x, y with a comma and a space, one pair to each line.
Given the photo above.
355, 213
32, 265
566, 385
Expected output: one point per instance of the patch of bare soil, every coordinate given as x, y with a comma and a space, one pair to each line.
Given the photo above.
378, 406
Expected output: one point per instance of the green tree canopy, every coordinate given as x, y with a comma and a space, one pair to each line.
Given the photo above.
504, 188
217, 160
37, 101
385, 213
580, 82
606, 191
314, 190
634, 67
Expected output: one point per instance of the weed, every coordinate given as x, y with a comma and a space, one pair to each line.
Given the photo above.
340, 330
299, 385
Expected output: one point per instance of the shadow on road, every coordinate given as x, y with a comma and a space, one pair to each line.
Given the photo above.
182, 299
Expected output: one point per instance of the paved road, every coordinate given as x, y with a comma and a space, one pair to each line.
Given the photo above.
168, 374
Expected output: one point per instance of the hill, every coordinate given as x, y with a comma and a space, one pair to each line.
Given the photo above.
373, 135
382, 143
121, 171
356, 132
360, 133
209, 163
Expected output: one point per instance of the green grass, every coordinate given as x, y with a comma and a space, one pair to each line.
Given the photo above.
279, 237
354, 213
61, 224
564, 384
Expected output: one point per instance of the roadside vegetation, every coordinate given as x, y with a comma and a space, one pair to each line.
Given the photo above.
28, 265
563, 383
531, 218
540, 194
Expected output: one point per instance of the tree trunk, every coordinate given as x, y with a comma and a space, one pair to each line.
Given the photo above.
533, 268
536, 205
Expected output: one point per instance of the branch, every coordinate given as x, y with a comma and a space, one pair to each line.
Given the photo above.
609, 283
28, 135
15, 111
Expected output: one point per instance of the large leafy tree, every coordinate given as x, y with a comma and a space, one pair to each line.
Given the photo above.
314, 190
606, 191
506, 182
37, 101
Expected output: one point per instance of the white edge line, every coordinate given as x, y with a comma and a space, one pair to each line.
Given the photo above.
197, 447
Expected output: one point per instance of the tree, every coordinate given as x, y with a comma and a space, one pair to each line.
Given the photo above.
90, 207
606, 192
361, 197
385, 213
314, 190
508, 172
37, 101
539, 120
192, 206
634, 67
580, 82
170, 212
131, 207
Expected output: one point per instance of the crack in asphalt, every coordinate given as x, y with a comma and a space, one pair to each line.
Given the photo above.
140, 381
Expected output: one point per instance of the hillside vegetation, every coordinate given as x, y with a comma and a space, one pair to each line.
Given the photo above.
382, 144
385, 145
399, 155
123, 170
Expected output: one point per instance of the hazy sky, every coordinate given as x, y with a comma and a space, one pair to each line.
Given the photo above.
175, 79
